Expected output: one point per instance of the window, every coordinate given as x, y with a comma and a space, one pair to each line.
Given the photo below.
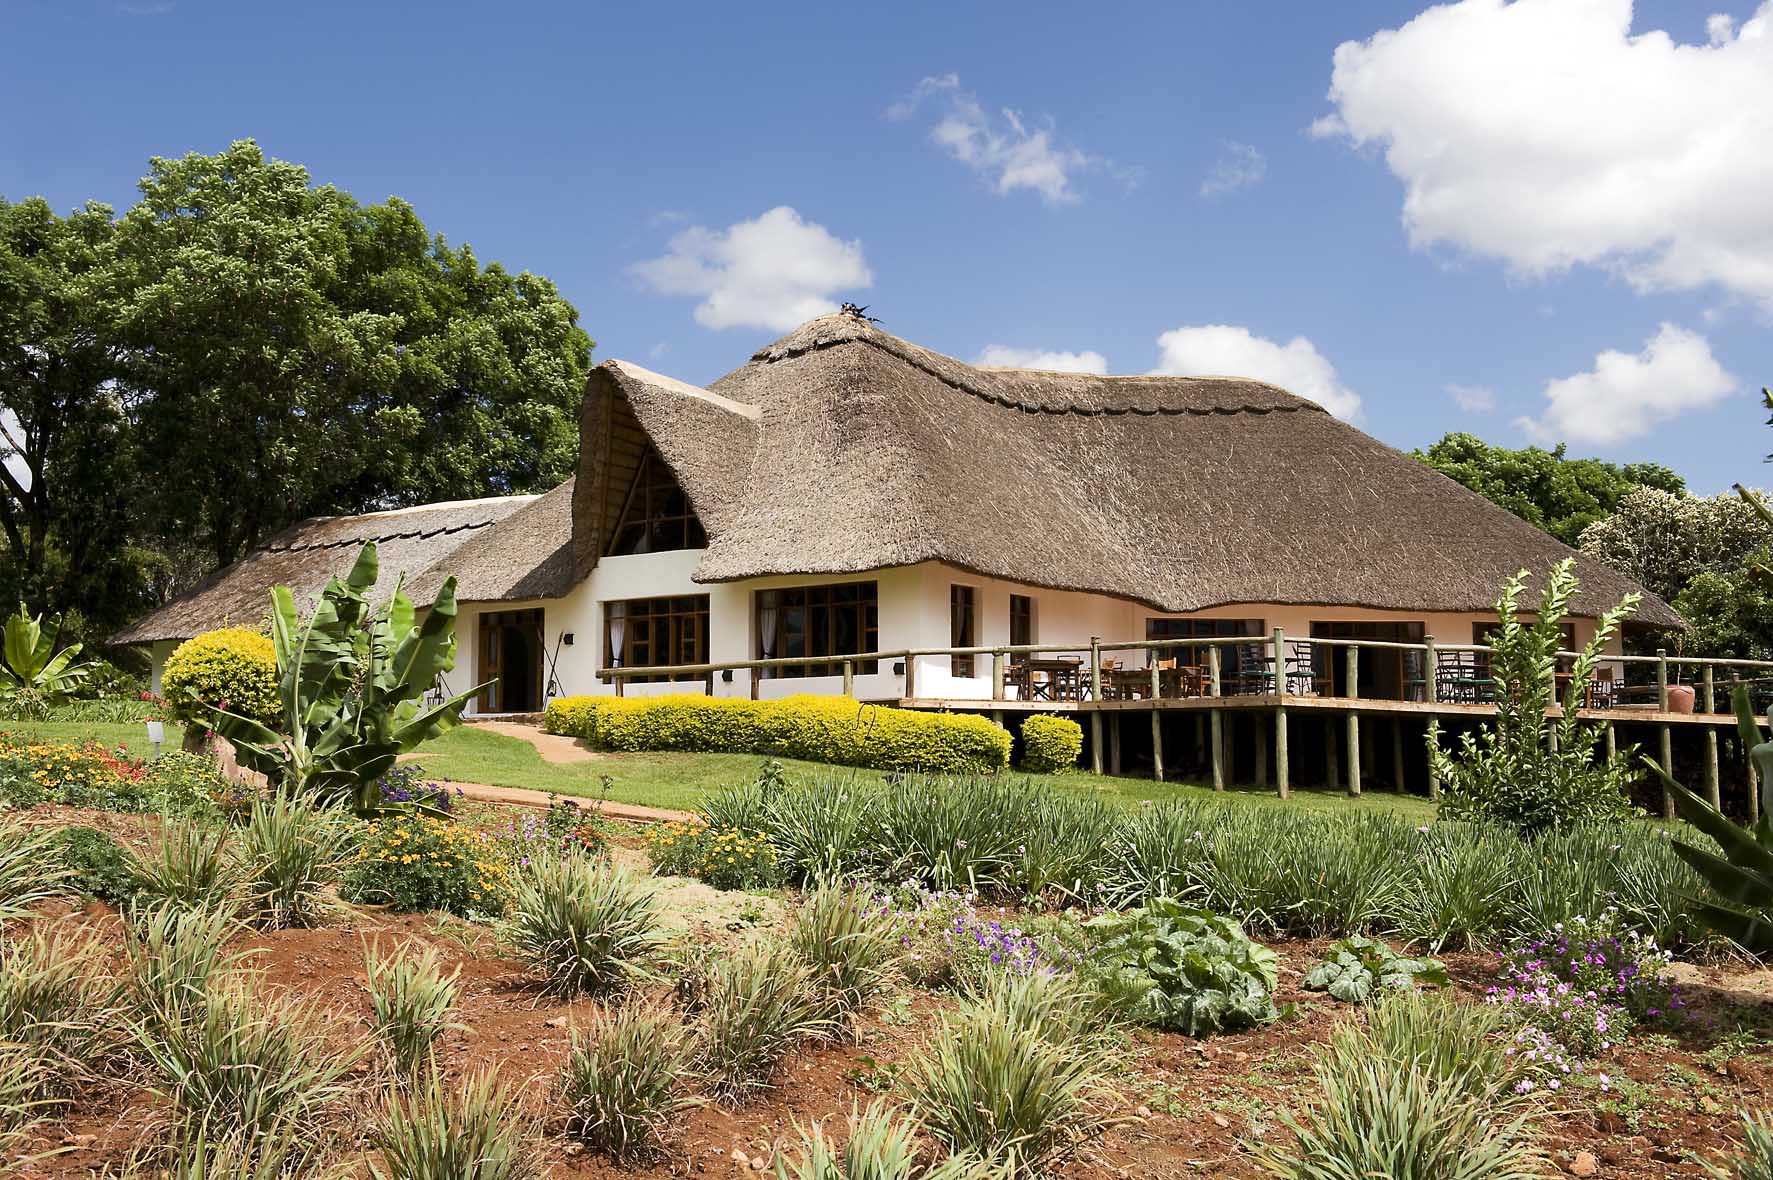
1384, 673
815, 623
1021, 620
1485, 633
960, 627
1201, 629
656, 632
656, 516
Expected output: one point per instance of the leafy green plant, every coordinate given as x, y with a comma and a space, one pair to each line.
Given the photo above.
1180, 968
97, 865
1755, 1161
1740, 874
410, 1002
582, 928
1050, 744
231, 667
349, 686
1357, 968
625, 1080
190, 868
422, 862
243, 1060
1528, 770
851, 947
33, 674
1011, 1078
477, 1129
186, 786
286, 858
755, 1006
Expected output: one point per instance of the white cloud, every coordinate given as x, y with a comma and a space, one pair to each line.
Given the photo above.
1239, 165
1546, 134
1473, 399
774, 271
1222, 350
1000, 148
1625, 396
1002, 356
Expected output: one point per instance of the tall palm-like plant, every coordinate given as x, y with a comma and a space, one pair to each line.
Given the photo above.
35, 674
350, 681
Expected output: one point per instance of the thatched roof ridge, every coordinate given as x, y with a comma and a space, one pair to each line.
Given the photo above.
306, 554
1182, 493
527, 554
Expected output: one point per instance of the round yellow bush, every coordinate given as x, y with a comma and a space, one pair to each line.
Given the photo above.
1050, 745
232, 668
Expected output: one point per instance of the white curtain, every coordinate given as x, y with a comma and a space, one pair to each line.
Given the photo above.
766, 624
617, 615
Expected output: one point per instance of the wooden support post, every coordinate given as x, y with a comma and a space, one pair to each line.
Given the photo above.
997, 662
1096, 741
910, 677
1113, 723
1354, 722
1332, 756
1397, 755
1712, 788
1280, 714
1429, 665
1612, 742
1664, 736
619, 682
997, 719
1216, 720
1157, 744
849, 678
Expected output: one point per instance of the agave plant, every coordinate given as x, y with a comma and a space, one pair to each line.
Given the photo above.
1741, 878
34, 673
350, 681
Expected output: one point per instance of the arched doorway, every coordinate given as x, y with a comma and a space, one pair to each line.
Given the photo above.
511, 657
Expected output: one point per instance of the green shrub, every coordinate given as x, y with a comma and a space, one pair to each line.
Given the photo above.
98, 864
834, 730
1356, 969
1050, 744
582, 928
1756, 1159
1013, 1077
190, 869
188, 786
625, 1080
1183, 969
476, 1129
851, 947
287, 857
230, 666
756, 1005
19, 786
410, 1001
422, 863
727, 858
172, 955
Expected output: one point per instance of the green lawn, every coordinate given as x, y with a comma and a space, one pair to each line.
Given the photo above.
132, 736
473, 755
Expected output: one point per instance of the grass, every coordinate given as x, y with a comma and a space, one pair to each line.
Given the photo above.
474, 755
132, 736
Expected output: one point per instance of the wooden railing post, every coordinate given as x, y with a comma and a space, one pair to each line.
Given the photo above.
1157, 724
997, 670
1354, 720
1096, 701
1431, 694
1095, 667
849, 679
1280, 714
1665, 735
1711, 743
1217, 718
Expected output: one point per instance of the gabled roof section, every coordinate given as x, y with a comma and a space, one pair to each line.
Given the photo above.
841, 448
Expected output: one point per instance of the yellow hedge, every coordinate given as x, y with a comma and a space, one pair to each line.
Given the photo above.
1050, 745
818, 729
231, 666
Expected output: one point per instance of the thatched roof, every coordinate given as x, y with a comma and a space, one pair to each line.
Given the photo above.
841, 448
423, 543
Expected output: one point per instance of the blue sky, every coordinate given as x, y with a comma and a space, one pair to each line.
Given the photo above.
1494, 200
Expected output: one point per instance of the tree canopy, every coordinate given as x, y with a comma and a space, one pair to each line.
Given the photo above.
1549, 489
241, 349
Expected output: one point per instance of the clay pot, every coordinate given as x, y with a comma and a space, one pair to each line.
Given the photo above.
1680, 698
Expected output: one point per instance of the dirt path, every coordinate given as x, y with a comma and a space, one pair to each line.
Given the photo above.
553, 747
523, 797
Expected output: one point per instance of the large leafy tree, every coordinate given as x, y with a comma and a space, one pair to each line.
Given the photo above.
1549, 489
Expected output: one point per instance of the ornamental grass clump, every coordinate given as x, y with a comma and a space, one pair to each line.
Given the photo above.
477, 1129
1011, 1078
624, 1080
410, 1001
58, 1005
30, 870
1755, 1160
23, 1079
850, 943
171, 957
190, 869
202, 1152
287, 858
583, 928
881, 1144
755, 1006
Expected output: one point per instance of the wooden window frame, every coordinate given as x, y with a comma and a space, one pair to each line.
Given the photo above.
1025, 617
825, 603
963, 625
663, 526
642, 620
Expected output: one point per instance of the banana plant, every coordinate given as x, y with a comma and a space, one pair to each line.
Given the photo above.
34, 674
350, 681
1742, 878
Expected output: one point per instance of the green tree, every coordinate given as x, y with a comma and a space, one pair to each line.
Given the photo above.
1663, 540
1545, 488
